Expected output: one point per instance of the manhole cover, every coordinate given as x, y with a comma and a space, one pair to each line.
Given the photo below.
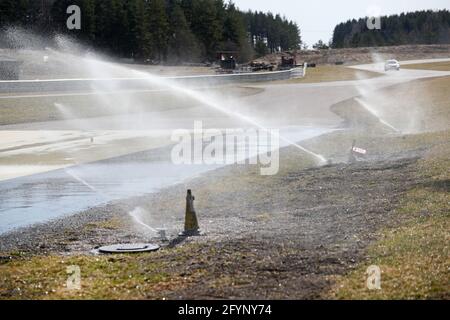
129, 248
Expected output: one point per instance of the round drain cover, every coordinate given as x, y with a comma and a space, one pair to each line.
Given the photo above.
129, 248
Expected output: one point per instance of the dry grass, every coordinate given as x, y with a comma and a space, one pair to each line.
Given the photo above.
328, 73
414, 258
112, 224
437, 66
33, 108
139, 276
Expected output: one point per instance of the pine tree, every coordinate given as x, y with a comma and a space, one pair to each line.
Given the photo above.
421, 27
320, 45
261, 48
235, 35
15, 12
183, 46
88, 19
141, 28
159, 29
206, 27
139, 31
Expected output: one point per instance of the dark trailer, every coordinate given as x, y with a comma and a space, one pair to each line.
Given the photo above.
228, 60
288, 63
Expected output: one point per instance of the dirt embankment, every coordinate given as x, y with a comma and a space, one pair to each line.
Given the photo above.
352, 56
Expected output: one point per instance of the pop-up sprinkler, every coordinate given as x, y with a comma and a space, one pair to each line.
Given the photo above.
191, 228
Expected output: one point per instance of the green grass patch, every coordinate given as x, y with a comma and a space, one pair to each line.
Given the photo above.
414, 257
136, 276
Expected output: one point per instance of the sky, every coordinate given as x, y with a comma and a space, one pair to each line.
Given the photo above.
317, 18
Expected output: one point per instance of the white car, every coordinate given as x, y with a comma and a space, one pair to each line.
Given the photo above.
392, 65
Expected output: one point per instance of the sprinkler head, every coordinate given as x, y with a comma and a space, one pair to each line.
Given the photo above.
162, 234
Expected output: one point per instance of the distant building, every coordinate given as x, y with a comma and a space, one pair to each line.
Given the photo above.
9, 68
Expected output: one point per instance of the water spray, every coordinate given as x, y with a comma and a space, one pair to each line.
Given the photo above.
191, 227
90, 63
375, 114
320, 160
161, 232
206, 101
135, 217
85, 183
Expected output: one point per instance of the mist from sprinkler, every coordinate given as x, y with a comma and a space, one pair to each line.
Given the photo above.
97, 66
364, 88
133, 214
373, 112
219, 107
70, 56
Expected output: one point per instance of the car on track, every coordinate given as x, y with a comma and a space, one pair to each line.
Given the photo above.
392, 65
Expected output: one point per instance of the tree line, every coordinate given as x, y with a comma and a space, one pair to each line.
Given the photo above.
160, 30
421, 27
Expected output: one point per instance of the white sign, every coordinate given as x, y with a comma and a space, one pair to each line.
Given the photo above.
359, 150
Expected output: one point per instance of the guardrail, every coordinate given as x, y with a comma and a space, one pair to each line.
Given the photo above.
65, 85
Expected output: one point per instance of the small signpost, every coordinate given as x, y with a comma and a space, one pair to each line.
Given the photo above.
359, 151
356, 153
